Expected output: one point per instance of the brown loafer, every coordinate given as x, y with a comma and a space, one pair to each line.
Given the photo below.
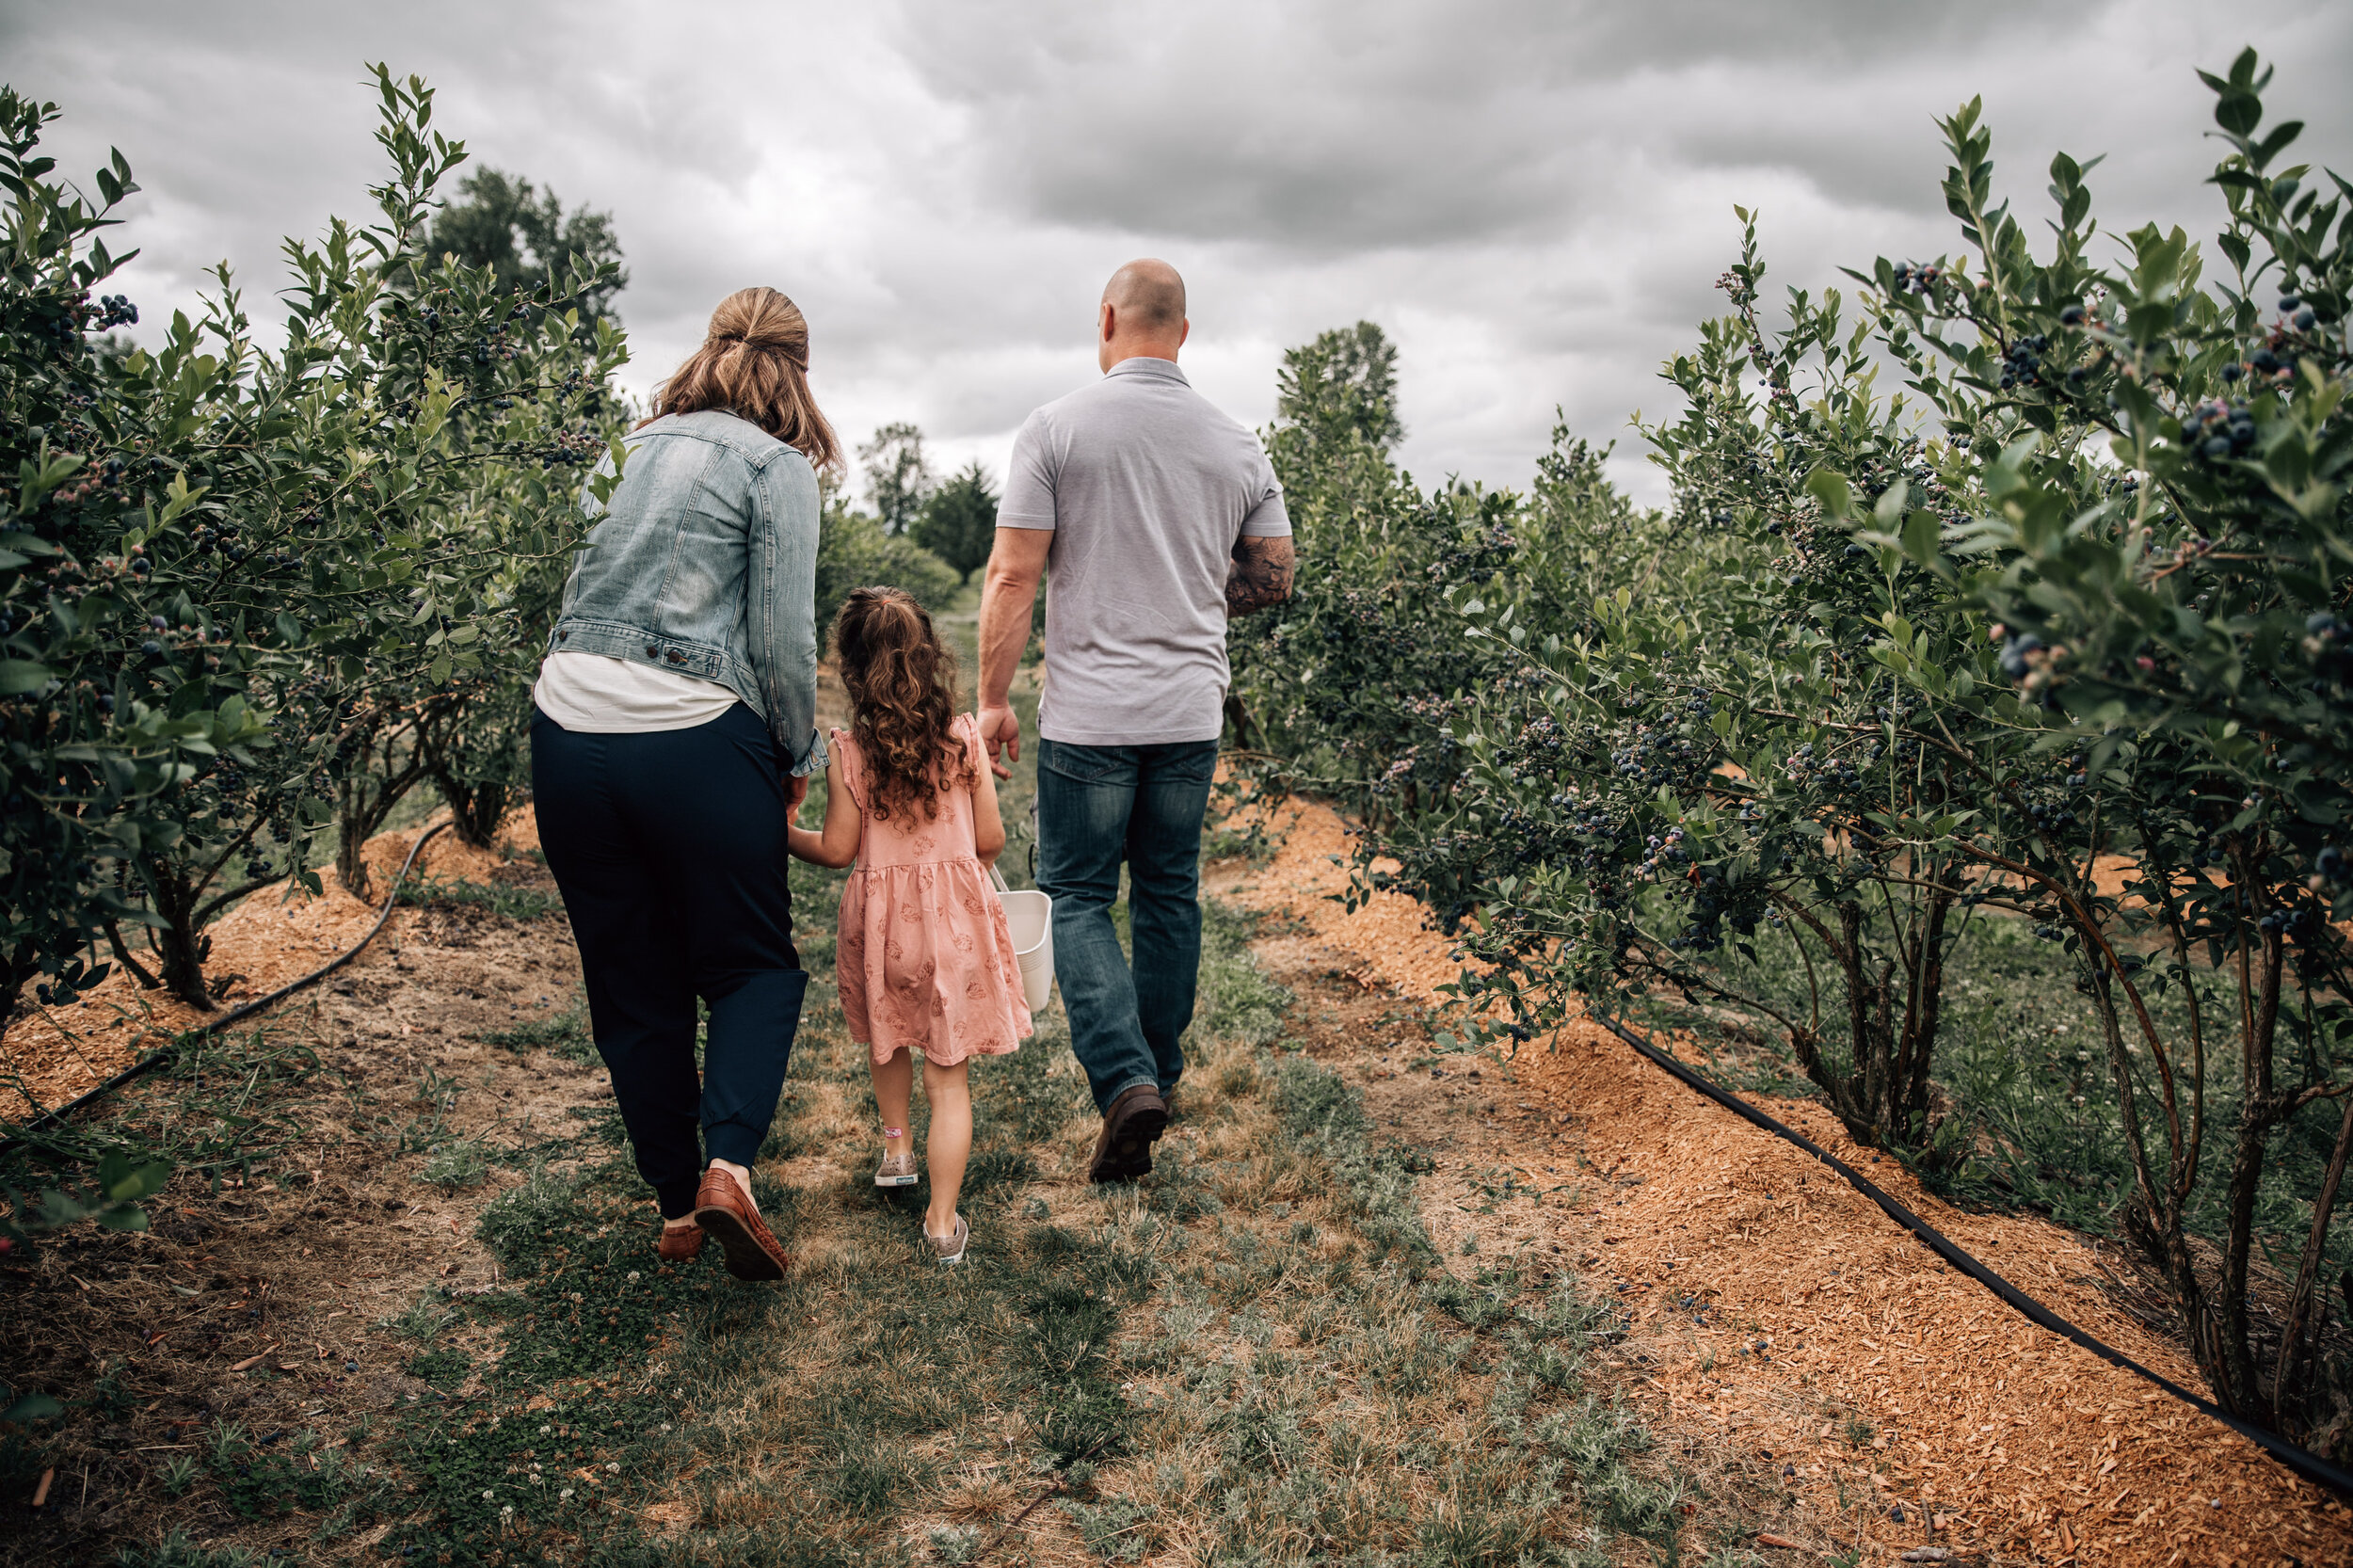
679, 1247
725, 1212
1124, 1152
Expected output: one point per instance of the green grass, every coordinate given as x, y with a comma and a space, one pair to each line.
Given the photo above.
567, 1033
1255, 1356
1257, 1351
219, 1111
506, 903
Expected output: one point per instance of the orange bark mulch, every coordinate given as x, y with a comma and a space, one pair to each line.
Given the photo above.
50, 1054
1779, 1302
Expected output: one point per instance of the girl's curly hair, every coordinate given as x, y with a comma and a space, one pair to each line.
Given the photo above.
902, 681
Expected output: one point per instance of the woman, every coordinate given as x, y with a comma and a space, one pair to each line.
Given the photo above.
674, 737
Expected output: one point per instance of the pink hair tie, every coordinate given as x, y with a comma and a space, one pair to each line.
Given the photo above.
894, 1132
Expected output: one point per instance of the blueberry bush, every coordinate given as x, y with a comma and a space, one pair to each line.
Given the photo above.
235, 580
2002, 597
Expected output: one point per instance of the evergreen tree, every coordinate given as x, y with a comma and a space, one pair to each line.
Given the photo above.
524, 236
959, 523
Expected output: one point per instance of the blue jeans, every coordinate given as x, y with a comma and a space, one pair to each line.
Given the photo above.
1096, 807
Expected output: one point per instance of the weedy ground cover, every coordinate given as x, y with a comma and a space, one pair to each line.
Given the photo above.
1187, 1361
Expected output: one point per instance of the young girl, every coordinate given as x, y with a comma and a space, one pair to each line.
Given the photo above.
923, 956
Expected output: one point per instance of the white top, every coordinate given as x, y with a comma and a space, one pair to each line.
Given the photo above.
591, 695
1146, 487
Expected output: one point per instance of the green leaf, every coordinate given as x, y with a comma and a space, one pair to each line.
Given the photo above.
1922, 533
22, 675
1832, 490
32, 1407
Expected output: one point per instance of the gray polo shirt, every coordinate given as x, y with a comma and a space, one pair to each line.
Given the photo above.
1145, 488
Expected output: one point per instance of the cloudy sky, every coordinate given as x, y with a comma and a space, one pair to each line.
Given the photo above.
1533, 196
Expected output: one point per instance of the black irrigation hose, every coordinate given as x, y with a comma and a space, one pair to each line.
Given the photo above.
158, 1057
2309, 1466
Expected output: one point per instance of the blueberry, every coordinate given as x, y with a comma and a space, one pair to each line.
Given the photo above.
151, 646
2072, 316
2304, 320
2288, 302
158, 622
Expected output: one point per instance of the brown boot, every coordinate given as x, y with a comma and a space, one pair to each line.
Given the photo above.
1124, 1152
725, 1212
679, 1246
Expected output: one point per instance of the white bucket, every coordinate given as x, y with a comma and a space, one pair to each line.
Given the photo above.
1031, 914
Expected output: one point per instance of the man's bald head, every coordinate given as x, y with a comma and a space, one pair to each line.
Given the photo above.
1143, 313
1149, 295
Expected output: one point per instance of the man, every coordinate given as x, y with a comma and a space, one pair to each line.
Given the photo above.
1158, 517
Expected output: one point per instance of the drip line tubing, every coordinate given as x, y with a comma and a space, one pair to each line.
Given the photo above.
2305, 1463
228, 1020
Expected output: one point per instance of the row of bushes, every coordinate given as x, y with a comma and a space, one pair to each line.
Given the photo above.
2056, 638
247, 594
251, 599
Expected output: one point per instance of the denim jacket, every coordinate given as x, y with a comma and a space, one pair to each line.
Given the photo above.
705, 562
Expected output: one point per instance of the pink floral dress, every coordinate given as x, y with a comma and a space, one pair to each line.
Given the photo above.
923, 955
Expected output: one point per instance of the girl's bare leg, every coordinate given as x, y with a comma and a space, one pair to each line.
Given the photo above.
894, 1081
951, 1143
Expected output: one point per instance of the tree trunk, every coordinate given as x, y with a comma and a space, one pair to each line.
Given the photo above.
379, 777
180, 946
2304, 1307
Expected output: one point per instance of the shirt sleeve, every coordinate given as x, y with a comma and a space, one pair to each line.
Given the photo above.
1029, 500
1267, 519
784, 610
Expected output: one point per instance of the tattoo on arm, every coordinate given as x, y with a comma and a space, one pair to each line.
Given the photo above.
1260, 575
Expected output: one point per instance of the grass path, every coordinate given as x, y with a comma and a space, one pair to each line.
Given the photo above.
1257, 1356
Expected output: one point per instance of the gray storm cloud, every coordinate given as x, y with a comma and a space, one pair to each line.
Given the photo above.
1534, 199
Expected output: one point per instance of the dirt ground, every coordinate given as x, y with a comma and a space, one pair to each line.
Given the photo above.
272, 938
1805, 1360
272, 1306
1779, 1309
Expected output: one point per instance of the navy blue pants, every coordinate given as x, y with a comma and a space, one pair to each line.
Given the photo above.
1100, 808
669, 850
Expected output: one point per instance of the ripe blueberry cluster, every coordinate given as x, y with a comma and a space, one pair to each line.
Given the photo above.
2328, 644
115, 310
2022, 365
2299, 923
1912, 279
2217, 431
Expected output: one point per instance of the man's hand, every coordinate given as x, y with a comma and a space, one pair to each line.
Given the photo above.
999, 728
1260, 575
795, 791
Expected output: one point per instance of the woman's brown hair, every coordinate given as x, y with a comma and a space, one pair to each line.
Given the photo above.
902, 681
754, 363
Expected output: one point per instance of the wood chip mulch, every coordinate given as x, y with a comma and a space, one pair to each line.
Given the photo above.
1786, 1312
50, 1054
